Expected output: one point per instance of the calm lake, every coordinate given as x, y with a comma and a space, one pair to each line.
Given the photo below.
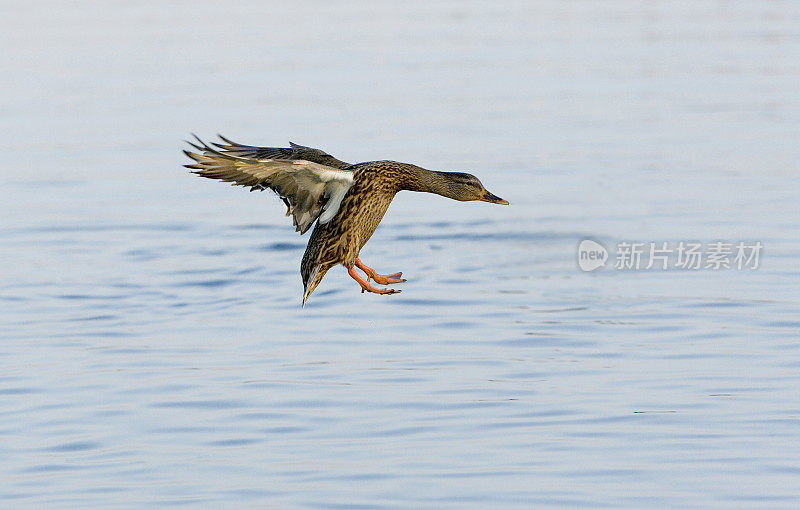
152, 345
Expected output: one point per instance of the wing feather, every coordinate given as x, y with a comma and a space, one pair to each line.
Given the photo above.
294, 152
309, 189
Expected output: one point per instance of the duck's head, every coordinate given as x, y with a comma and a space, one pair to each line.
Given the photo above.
467, 187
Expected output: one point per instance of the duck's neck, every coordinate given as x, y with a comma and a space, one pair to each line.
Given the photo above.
428, 181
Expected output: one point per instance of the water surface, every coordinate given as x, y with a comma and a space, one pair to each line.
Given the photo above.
154, 352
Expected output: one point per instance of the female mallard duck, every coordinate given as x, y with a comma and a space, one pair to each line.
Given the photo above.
347, 201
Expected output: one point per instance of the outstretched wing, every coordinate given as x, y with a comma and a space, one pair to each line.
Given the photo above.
294, 152
309, 189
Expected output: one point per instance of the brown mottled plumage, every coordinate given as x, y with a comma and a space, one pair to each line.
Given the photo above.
346, 201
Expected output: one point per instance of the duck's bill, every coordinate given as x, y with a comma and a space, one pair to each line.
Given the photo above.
493, 199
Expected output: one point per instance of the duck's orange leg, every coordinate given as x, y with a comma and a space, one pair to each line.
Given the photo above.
365, 286
383, 279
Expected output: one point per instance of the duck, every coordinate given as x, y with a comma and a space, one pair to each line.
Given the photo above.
344, 202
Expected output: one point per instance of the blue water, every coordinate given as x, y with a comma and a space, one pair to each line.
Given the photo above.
153, 348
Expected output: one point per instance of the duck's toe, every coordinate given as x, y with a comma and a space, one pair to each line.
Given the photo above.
386, 279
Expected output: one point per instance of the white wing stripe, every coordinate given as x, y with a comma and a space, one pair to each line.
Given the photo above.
337, 192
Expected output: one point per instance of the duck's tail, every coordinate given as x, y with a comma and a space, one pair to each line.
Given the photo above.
314, 278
